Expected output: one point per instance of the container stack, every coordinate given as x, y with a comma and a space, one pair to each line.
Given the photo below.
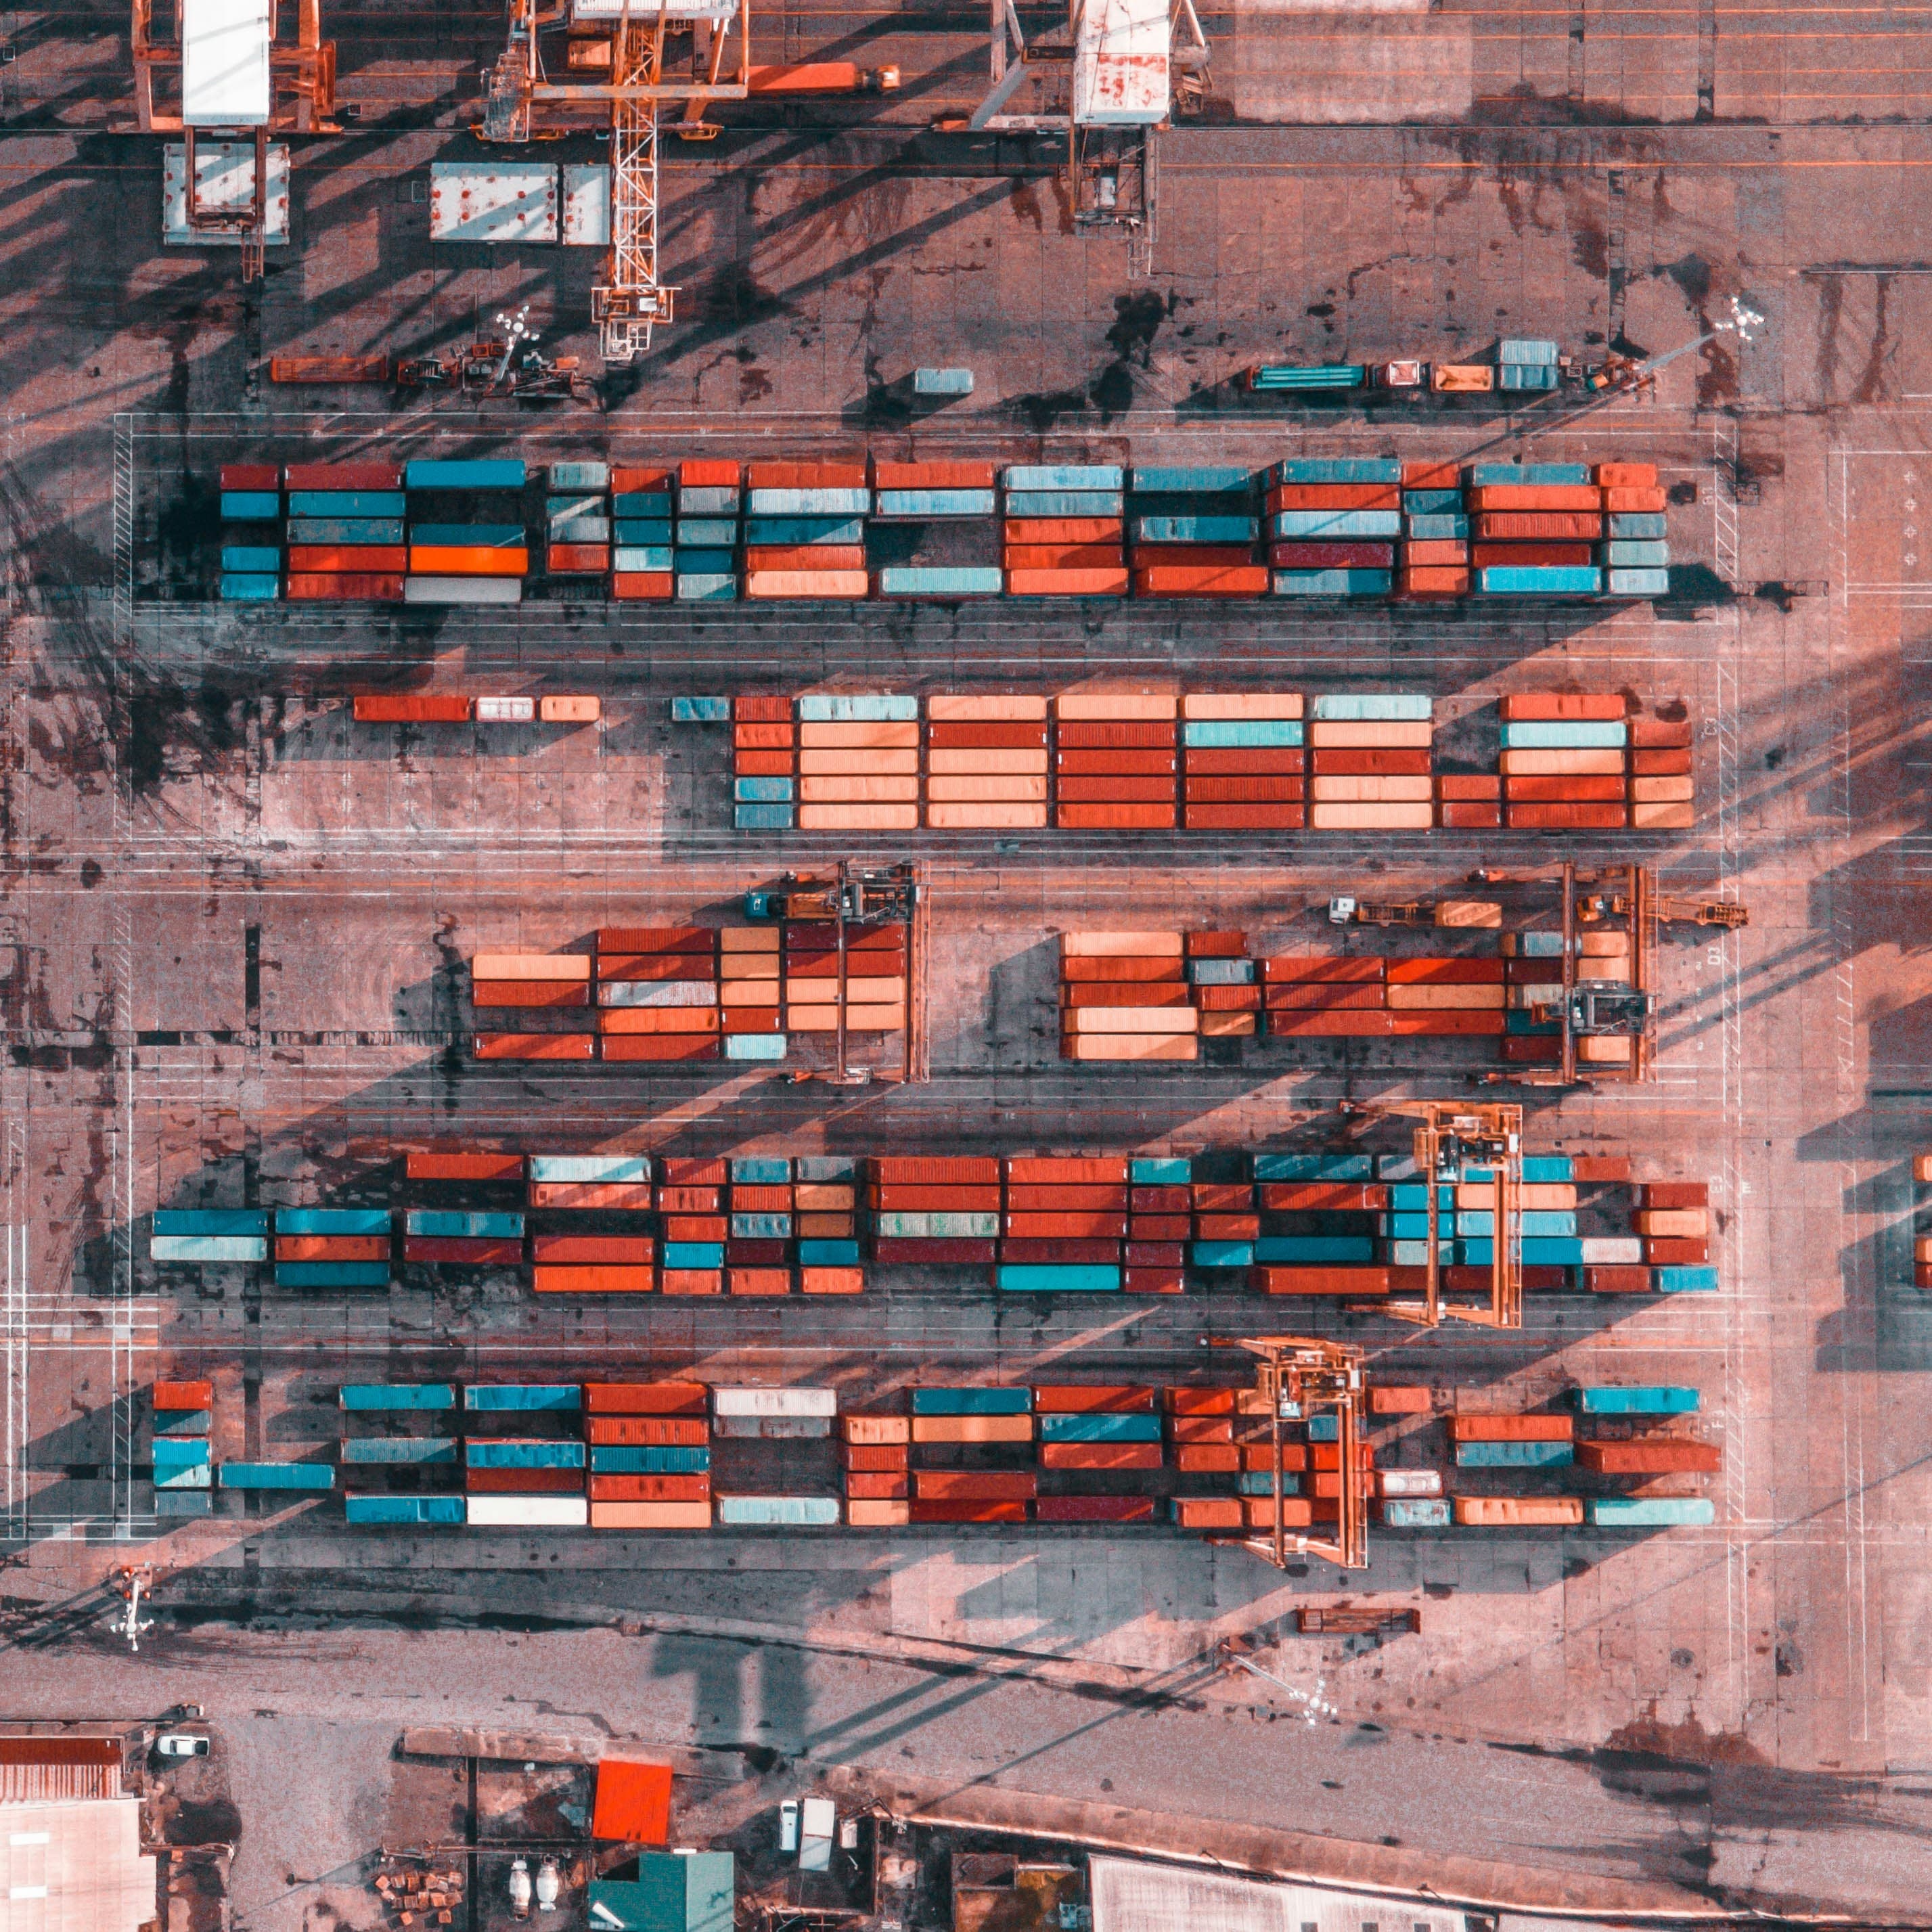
1116, 759
524, 1480
985, 763
576, 522
1201, 1424
805, 531
793, 1414
750, 963
1126, 996
657, 993
600, 1264
858, 760
1223, 985
1469, 801
1511, 1446
642, 557
251, 549
511, 992
345, 533
209, 1237
759, 1238
1242, 761
1062, 534
1226, 1226
1526, 366
1563, 761
1661, 791
1642, 1434
875, 1460
875, 977
1320, 1216
1194, 534
470, 561
704, 550
1158, 1205
764, 764
397, 1451
968, 1443
1435, 532
1324, 997
181, 1453
948, 509
1673, 1218
1089, 1434
1064, 1221
1636, 556
649, 1446
456, 1237
1371, 770
690, 1201
1333, 523
934, 1211
825, 1198
1537, 526
332, 1247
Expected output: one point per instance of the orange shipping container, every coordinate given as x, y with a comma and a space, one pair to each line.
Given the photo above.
1092, 583
650, 1516
535, 1046
466, 560
1537, 496
1470, 1427
549, 1278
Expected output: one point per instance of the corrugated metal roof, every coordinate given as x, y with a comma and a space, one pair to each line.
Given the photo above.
52, 1770
76, 1868
1128, 1897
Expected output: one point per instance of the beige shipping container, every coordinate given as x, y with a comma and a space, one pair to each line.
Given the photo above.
1616, 971
650, 1516
1227, 1026
1921, 1248
748, 992
1603, 945
956, 707
1119, 945
1134, 1046
1114, 706
807, 584
1418, 788
863, 734
876, 1432
858, 1019
1604, 1050
1237, 704
1921, 1167
876, 1513
825, 1197
1663, 817
749, 938
1129, 1019
1447, 998
992, 817
1326, 817
1663, 791
971, 1428
896, 763
747, 966
858, 791
1571, 764
942, 760
1684, 1224
1479, 915
1530, 1194
557, 966
1376, 734
858, 817
964, 791
1505, 1512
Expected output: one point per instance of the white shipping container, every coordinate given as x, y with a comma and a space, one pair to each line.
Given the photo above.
590, 1167
225, 178
1613, 1250
463, 590
774, 1401
657, 993
1121, 57
224, 49
527, 1512
506, 710
1409, 1482
492, 201
587, 205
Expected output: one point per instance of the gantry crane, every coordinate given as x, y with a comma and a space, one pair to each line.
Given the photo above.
864, 895
1608, 899
1297, 1378
614, 62
1451, 1135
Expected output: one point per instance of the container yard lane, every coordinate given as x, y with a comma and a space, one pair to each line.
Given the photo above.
696, 1022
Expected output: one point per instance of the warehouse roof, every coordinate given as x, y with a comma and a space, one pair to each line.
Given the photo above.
1131, 1896
75, 1866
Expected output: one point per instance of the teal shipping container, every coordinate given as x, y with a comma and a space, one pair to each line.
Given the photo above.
1539, 579
332, 1274
471, 536
494, 1226
652, 504
418, 1511
486, 473
761, 1227
1566, 734
389, 1451
776, 1512
408, 1397
1541, 1170
1641, 1399
1244, 733
827, 502
762, 817
584, 475
1099, 1428
1057, 1278
623, 1459
345, 530
1292, 1250
1684, 1279
1639, 584
1194, 529
700, 711
708, 500
990, 1401
1649, 1512
514, 1455
760, 1170
636, 559
759, 1046
1260, 1483
1439, 526
250, 506
1221, 1255
1649, 524
174, 1503
1415, 1513
208, 1250
387, 504
1375, 707
211, 1221
1334, 583
917, 505
1206, 480
810, 532
1432, 502
249, 559
497, 1398
904, 580
1035, 476
332, 1220
702, 1255
1160, 1171
866, 707
942, 382
1515, 1455
1338, 470
1538, 475
1064, 503
277, 1476
1312, 376
1314, 1167
1303, 524
1627, 553
707, 533
717, 587
828, 1254
580, 1168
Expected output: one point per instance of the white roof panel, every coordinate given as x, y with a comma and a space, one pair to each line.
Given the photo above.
643, 12
225, 62
1120, 55
75, 1867
1130, 1896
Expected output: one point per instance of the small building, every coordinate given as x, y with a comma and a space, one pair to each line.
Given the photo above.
1129, 1896
673, 1892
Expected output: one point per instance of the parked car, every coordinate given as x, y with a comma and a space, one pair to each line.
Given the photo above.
180, 1744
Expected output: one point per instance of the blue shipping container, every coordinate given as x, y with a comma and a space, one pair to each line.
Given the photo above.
332, 1220
621, 1459
1260, 1483
211, 1221
902, 579
238, 588
1649, 1512
760, 1170
1314, 1167
1536, 476
486, 473
916, 505
719, 563
1194, 529
1221, 1255
417, 1511
1639, 584
700, 711
1684, 1279
1052, 1278
776, 1512
1650, 524
1035, 476
1209, 480
1438, 527
1063, 503
1566, 734
585, 475
277, 1476
248, 559
1541, 1170
1099, 1428
499, 1398
1160, 1171
1338, 470
250, 506
702, 1255
635, 560
1333, 583
1514, 1455
1241, 732
762, 817
398, 1449
652, 503
1415, 1513
1651, 1399
470, 536
815, 503
582, 1167
410, 1396
761, 1227
482, 1227
828, 1254
754, 1046
503, 1455
707, 587
387, 504
332, 1274
345, 529
1539, 579
707, 533
988, 1401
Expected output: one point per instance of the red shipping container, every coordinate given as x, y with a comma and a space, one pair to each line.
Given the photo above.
1322, 1197
1207, 1458
1097, 817
1656, 734
1088, 1170
1468, 785
822, 474
1669, 1195
1289, 968
1566, 817
1194, 1402
1359, 1280
967, 1512
748, 708
1675, 1252
1090, 1250
1548, 555
463, 1166
1665, 764
1540, 707
528, 993
693, 473
1125, 788
874, 1457
419, 708
1468, 818
1117, 763
1289, 554
382, 559
1576, 788
181, 1396
1244, 791
1093, 734
1206, 817
1330, 1024
1535, 497
1390, 1398
1202, 580
345, 587
1356, 763
1092, 1399
1655, 1455
1228, 999
1478, 972
627, 478
523, 1482
1334, 497
577, 560
1402, 1025
251, 476
642, 586
1324, 996
1258, 1454
946, 734
692, 1171
535, 1046
975, 1485
768, 736
618, 1250
758, 1280
1227, 1227
647, 1398
629, 1488
880, 1488
1093, 1509
1154, 1251
1626, 1280
806, 556
1195, 557
937, 1200
461, 1251
913, 1251
659, 1046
